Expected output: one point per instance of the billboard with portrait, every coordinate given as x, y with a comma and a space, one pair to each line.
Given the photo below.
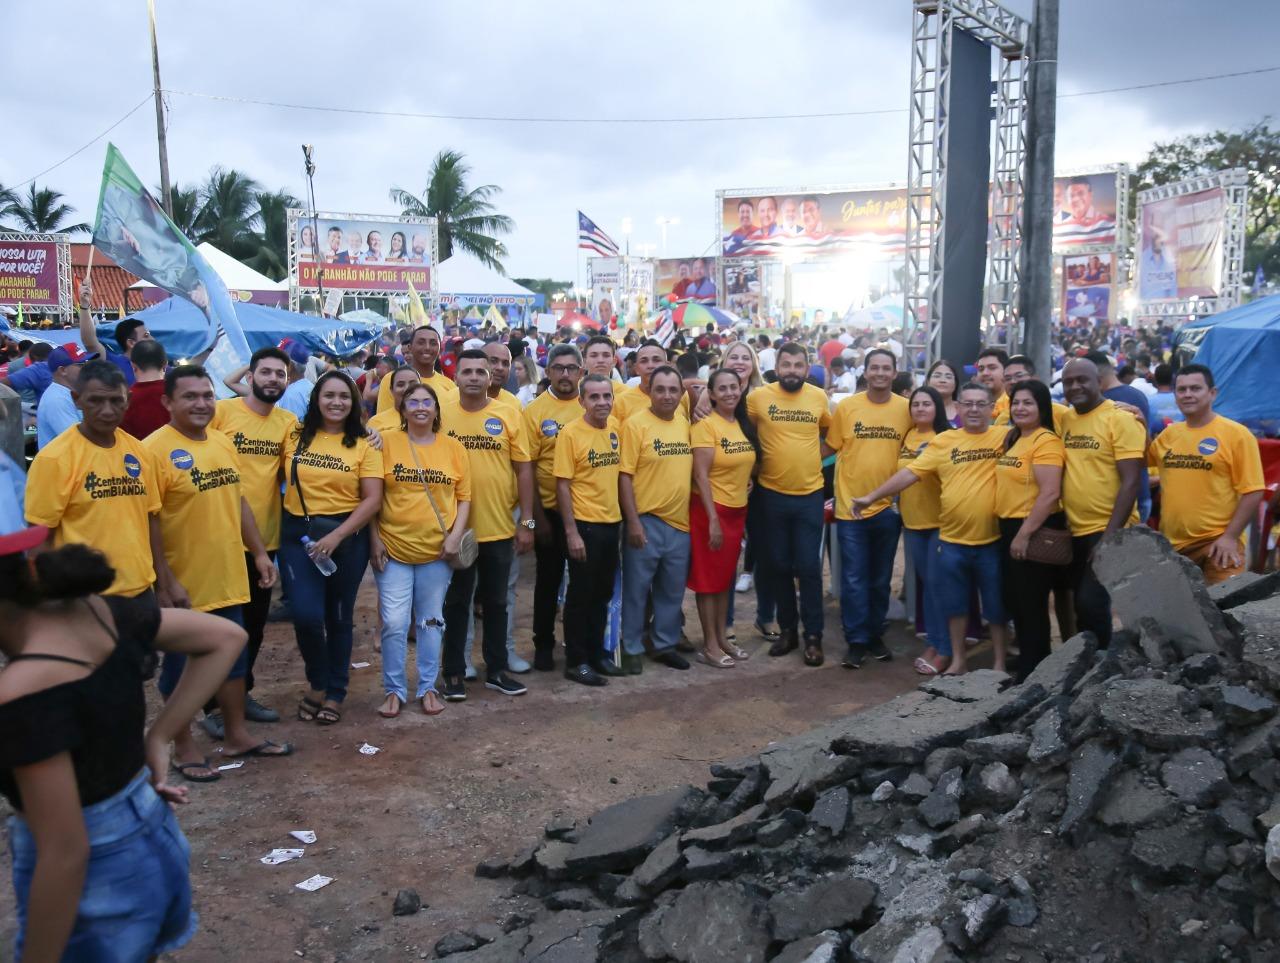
362, 253
1181, 243
685, 279
1085, 210
1087, 286
871, 222
29, 271
742, 287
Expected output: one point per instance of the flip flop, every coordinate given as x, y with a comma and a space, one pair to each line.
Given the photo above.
428, 711
394, 712
263, 749
724, 662
924, 667
307, 709
181, 769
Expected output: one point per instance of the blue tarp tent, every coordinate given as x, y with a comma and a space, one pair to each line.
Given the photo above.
182, 329
1242, 348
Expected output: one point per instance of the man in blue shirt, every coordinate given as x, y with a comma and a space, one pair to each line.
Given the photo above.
1164, 404
128, 333
57, 410
31, 380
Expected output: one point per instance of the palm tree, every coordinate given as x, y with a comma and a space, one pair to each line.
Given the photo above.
228, 208
186, 208
7, 199
267, 248
465, 217
41, 212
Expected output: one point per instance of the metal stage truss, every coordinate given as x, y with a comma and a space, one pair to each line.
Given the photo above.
66, 308
933, 24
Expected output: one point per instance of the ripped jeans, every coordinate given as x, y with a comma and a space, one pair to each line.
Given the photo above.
415, 591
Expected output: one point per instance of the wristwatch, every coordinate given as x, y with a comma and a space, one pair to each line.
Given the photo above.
527, 523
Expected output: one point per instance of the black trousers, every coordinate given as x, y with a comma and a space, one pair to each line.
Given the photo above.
586, 603
254, 613
1026, 596
551, 556
1092, 603
487, 581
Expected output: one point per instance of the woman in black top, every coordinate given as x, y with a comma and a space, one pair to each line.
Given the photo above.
99, 863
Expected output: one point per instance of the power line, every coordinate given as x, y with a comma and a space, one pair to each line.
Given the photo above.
734, 118
83, 148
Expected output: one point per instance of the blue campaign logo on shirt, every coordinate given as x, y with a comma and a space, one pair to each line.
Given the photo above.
550, 428
132, 467
613, 439
181, 459
1208, 446
493, 426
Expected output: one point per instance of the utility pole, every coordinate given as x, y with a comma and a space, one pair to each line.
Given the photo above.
166, 198
1036, 295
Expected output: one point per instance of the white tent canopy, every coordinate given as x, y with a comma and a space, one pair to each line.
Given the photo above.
465, 278
235, 275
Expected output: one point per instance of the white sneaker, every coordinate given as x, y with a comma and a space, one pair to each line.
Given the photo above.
516, 664
744, 583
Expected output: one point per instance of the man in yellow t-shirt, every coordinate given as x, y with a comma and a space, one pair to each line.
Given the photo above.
258, 427
423, 353
656, 474
499, 356
1210, 478
586, 467
1021, 368
1105, 450
600, 356
544, 419
866, 434
989, 372
501, 480
791, 417
648, 358
197, 541
964, 461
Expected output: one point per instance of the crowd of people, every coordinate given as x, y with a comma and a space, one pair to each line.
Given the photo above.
157, 518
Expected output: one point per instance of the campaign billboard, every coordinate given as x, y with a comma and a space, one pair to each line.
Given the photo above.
1181, 242
685, 279
29, 272
1087, 287
813, 223
1085, 210
742, 287
361, 253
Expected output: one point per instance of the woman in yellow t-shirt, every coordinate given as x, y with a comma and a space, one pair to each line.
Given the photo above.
333, 488
402, 379
1028, 492
410, 546
724, 457
920, 507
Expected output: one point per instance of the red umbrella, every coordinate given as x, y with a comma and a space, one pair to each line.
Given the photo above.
572, 318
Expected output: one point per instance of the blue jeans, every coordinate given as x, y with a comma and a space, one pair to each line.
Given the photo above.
867, 548
922, 545
174, 662
791, 552
663, 565
411, 592
961, 567
323, 607
136, 900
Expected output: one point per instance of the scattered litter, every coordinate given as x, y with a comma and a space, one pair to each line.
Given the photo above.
359, 665
303, 835
231, 765
368, 750
314, 883
278, 856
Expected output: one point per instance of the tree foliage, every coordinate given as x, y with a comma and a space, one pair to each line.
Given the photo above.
549, 288
1257, 149
39, 211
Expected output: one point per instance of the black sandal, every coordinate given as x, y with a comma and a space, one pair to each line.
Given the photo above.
308, 709
328, 715
181, 768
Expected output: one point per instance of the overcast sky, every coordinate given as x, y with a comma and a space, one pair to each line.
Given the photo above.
660, 59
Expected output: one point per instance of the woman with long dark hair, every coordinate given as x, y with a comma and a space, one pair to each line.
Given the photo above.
333, 481
944, 378
724, 456
100, 867
398, 250
1028, 492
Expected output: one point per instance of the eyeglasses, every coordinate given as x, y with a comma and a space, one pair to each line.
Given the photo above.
419, 403
973, 404
564, 369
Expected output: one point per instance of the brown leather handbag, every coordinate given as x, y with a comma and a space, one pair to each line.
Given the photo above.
1049, 546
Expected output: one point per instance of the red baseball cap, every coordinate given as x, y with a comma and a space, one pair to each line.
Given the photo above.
23, 540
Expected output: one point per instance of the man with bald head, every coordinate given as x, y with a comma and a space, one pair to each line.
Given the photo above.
499, 356
1106, 449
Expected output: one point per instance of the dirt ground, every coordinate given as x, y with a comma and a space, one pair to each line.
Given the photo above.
481, 779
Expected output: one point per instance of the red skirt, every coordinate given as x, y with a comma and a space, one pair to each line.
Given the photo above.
713, 572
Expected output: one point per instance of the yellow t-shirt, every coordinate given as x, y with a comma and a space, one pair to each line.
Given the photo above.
1016, 488
544, 419
733, 461
920, 504
100, 497
329, 472
634, 400
789, 427
259, 442
1094, 442
199, 487
966, 466
867, 438
1203, 473
383, 421
1000, 412
439, 381
505, 397
657, 455
493, 438
589, 458
406, 522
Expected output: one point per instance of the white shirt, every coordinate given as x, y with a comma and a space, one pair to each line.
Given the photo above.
767, 357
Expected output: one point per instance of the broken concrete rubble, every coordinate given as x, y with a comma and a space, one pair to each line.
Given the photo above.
1112, 807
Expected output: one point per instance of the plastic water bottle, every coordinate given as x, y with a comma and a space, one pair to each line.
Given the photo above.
323, 562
